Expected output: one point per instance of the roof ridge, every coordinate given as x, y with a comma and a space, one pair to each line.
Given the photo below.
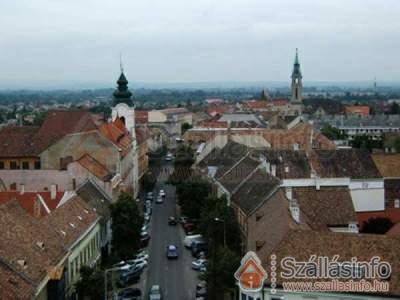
237, 163
245, 179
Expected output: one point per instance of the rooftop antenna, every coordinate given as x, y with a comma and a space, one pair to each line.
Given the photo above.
375, 85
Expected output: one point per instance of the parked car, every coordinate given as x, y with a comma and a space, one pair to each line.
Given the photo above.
198, 263
199, 246
149, 196
155, 293
139, 262
172, 252
188, 227
183, 219
129, 277
146, 217
187, 241
142, 254
144, 239
159, 200
201, 285
169, 157
162, 193
201, 292
172, 221
130, 294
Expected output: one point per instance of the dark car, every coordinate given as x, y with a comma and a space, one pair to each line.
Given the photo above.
189, 227
201, 292
129, 277
199, 246
172, 221
172, 252
130, 294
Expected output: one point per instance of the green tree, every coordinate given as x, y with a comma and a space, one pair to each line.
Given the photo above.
192, 195
366, 142
332, 133
394, 109
126, 226
185, 127
91, 284
219, 275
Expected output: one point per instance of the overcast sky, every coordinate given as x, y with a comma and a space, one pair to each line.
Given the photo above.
65, 41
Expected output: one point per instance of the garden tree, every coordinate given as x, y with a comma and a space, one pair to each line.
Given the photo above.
184, 158
91, 284
332, 133
394, 109
366, 142
192, 195
126, 226
185, 127
376, 225
219, 275
218, 224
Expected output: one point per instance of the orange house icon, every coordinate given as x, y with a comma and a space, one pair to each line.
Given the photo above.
251, 275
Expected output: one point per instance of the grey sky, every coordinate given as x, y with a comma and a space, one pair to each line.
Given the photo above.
63, 41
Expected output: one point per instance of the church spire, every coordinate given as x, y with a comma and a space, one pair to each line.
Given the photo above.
297, 85
122, 94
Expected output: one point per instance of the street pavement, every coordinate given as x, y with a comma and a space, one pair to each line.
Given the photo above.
175, 277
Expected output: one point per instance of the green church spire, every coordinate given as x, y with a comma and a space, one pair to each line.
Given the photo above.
122, 94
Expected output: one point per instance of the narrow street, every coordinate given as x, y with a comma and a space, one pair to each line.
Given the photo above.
176, 278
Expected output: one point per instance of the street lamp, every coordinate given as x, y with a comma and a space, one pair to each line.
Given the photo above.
105, 279
222, 221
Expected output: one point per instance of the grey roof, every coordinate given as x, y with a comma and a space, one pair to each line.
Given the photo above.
254, 191
96, 199
357, 121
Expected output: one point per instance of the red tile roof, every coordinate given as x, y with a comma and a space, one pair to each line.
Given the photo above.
255, 104
17, 141
358, 110
27, 200
280, 102
117, 134
94, 167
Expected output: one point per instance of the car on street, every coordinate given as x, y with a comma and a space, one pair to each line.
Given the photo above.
130, 294
146, 217
162, 193
159, 200
141, 255
198, 264
172, 221
129, 277
155, 293
144, 239
199, 246
201, 292
189, 227
149, 196
137, 262
172, 252
201, 285
187, 241
183, 219
169, 157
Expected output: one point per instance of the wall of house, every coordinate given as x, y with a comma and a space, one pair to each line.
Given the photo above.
5, 163
262, 224
157, 116
85, 253
77, 145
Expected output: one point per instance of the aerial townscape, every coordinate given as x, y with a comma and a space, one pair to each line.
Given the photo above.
272, 190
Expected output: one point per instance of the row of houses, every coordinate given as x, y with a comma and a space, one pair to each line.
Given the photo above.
293, 196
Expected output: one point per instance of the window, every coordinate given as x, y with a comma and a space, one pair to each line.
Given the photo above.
37, 165
25, 165
1, 165
13, 165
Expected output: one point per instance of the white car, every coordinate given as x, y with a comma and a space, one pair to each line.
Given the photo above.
162, 193
159, 200
198, 264
142, 255
137, 263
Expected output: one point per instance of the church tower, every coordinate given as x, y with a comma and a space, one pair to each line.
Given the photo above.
122, 94
297, 85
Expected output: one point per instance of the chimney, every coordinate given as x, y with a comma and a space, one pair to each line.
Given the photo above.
289, 193
273, 170
22, 191
53, 191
